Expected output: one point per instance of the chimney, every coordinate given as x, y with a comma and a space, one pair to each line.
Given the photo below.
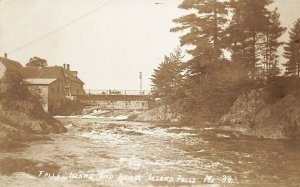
65, 66
68, 66
5, 55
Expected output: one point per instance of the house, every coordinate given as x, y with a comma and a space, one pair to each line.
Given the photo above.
50, 90
74, 86
50, 82
56, 84
5, 66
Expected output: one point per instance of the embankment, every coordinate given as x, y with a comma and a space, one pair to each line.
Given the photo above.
22, 121
252, 115
158, 114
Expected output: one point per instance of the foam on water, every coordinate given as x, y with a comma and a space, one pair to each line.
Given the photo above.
133, 163
79, 117
194, 141
208, 128
164, 133
112, 148
223, 136
106, 136
181, 128
93, 116
121, 117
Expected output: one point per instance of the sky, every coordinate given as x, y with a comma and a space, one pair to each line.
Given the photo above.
107, 41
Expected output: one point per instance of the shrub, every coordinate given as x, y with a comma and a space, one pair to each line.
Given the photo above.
16, 88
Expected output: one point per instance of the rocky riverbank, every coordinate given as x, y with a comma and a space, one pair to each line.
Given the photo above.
22, 121
252, 115
158, 114
22, 117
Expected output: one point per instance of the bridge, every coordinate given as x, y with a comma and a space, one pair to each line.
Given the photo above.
116, 99
117, 92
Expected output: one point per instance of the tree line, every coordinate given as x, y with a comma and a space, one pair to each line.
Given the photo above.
234, 48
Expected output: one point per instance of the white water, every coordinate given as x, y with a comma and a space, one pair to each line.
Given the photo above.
120, 153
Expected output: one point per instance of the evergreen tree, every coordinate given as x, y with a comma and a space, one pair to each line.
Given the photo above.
250, 21
270, 46
211, 94
291, 51
212, 83
167, 79
205, 30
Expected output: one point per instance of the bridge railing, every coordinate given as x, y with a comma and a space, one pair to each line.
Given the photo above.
117, 92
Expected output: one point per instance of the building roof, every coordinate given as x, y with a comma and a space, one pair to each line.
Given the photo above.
42, 72
72, 77
48, 72
10, 64
39, 81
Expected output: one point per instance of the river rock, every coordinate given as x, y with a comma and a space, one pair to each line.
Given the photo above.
21, 118
28, 116
244, 109
251, 115
279, 120
158, 114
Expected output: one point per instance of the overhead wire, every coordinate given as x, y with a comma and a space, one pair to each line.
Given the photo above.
62, 27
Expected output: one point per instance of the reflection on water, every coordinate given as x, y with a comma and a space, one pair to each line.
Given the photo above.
95, 153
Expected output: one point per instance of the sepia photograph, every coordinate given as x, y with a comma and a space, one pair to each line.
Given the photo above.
149, 93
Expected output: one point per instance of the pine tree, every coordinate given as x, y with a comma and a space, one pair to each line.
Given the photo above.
205, 29
167, 78
237, 34
270, 45
292, 53
249, 23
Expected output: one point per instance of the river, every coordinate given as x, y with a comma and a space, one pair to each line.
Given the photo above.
98, 152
